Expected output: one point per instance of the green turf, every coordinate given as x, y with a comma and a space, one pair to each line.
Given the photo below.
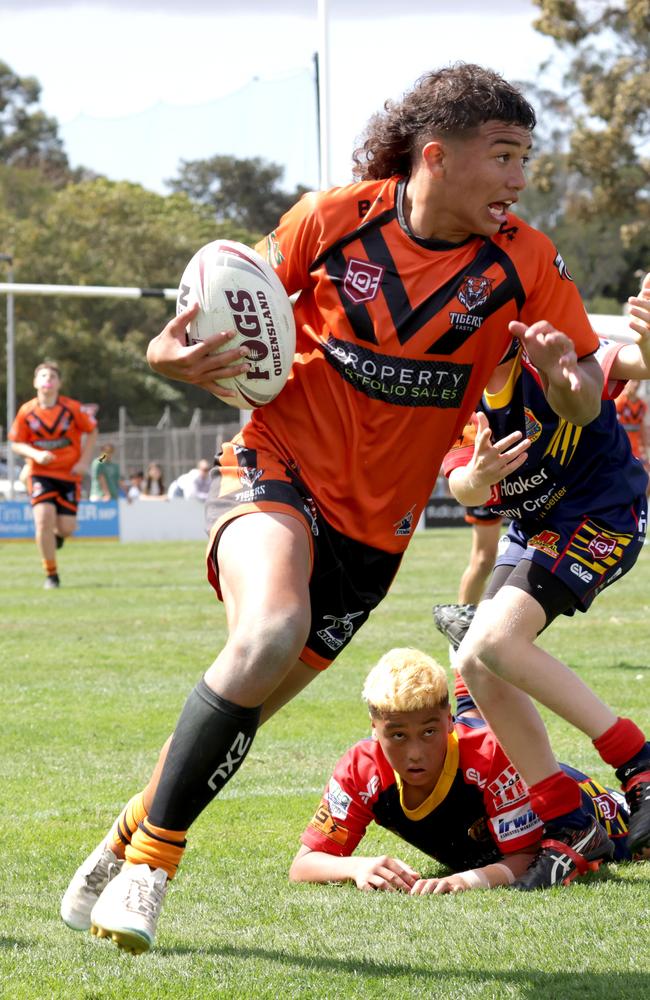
93, 677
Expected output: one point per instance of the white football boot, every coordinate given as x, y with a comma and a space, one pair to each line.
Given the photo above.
87, 885
128, 909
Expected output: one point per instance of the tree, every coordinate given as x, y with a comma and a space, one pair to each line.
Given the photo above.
28, 137
106, 233
597, 172
243, 191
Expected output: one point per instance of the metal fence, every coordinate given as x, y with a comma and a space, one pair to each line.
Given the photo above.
175, 449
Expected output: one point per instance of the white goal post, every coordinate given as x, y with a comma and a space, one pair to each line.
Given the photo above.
609, 326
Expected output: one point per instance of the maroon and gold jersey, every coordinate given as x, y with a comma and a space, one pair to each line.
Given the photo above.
58, 429
396, 338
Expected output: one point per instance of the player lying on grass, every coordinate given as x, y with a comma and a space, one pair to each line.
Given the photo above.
441, 784
578, 520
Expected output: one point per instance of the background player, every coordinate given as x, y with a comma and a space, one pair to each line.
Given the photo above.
57, 437
579, 517
441, 784
396, 274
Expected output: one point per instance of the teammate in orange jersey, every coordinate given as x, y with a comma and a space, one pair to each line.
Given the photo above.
632, 412
407, 281
57, 437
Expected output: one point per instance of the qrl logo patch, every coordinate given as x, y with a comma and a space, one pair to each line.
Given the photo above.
362, 280
474, 292
601, 547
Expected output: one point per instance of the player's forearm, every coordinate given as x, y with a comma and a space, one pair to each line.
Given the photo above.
317, 866
88, 449
630, 363
25, 450
579, 406
465, 489
503, 872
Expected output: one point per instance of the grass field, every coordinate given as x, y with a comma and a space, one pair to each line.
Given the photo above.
93, 677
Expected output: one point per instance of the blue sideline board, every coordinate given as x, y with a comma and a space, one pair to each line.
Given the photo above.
94, 520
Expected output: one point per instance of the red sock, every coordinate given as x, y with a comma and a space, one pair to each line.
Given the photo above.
555, 796
460, 688
620, 742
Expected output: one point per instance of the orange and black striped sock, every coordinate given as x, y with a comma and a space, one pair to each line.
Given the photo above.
126, 824
158, 848
49, 565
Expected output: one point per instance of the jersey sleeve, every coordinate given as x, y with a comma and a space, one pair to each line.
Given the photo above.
341, 820
84, 420
555, 298
606, 355
511, 820
292, 246
462, 450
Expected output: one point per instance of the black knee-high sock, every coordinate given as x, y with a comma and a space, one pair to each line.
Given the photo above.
210, 741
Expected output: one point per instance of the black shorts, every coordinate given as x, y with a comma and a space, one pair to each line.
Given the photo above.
482, 515
348, 579
60, 492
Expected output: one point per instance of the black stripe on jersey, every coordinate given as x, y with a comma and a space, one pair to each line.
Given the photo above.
509, 289
63, 413
336, 264
409, 321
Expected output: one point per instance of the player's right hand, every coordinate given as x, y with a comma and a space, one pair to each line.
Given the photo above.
168, 354
439, 886
43, 457
383, 872
492, 461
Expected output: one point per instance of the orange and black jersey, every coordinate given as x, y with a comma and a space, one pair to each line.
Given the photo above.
58, 429
396, 338
631, 415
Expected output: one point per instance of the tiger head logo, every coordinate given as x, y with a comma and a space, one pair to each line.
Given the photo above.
474, 292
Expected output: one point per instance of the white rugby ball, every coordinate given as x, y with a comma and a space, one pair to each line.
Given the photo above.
236, 289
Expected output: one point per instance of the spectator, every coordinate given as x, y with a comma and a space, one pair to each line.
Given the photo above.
136, 485
154, 483
106, 480
193, 484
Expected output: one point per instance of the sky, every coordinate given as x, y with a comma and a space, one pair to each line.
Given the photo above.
138, 85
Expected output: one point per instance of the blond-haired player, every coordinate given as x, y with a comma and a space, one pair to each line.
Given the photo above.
441, 784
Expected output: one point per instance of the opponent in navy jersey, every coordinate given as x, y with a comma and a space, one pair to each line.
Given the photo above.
445, 787
577, 504
579, 497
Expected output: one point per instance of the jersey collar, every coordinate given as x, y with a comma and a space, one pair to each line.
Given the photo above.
441, 789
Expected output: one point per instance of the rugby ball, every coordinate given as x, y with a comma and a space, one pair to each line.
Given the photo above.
236, 289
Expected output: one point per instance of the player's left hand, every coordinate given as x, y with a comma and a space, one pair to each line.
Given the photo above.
439, 886
551, 351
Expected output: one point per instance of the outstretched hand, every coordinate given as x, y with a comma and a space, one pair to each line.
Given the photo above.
169, 354
551, 351
493, 461
639, 312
